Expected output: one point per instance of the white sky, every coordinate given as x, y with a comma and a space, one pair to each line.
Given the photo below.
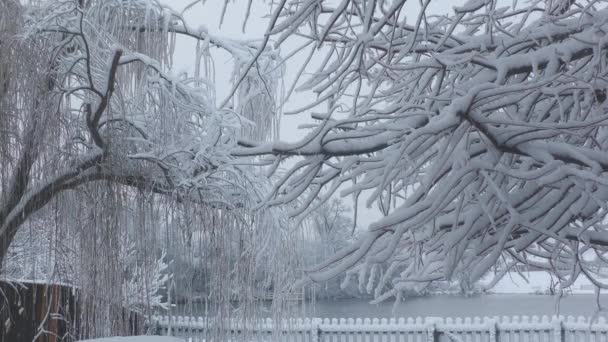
208, 13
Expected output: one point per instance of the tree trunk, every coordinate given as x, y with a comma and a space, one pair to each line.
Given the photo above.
5, 242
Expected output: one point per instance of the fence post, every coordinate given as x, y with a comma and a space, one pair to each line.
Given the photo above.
492, 325
431, 331
315, 329
558, 329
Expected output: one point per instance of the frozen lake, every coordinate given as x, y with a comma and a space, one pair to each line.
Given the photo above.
449, 306
458, 306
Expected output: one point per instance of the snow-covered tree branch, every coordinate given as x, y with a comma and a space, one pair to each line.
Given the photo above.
481, 135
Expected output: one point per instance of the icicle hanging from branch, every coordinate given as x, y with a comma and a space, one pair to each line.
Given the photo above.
256, 97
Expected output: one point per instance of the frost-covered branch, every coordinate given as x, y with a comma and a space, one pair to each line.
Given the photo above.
88, 95
481, 135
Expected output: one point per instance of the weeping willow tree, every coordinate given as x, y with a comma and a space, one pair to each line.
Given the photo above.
119, 158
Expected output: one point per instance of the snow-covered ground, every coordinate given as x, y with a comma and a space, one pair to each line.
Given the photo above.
137, 339
535, 282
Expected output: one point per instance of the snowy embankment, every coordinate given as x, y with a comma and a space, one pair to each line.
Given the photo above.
536, 282
137, 339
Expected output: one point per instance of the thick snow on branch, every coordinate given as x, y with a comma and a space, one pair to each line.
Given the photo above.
481, 135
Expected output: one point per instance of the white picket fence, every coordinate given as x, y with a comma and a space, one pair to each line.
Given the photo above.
430, 329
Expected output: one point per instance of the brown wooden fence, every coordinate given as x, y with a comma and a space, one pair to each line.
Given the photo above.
52, 313
35, 312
